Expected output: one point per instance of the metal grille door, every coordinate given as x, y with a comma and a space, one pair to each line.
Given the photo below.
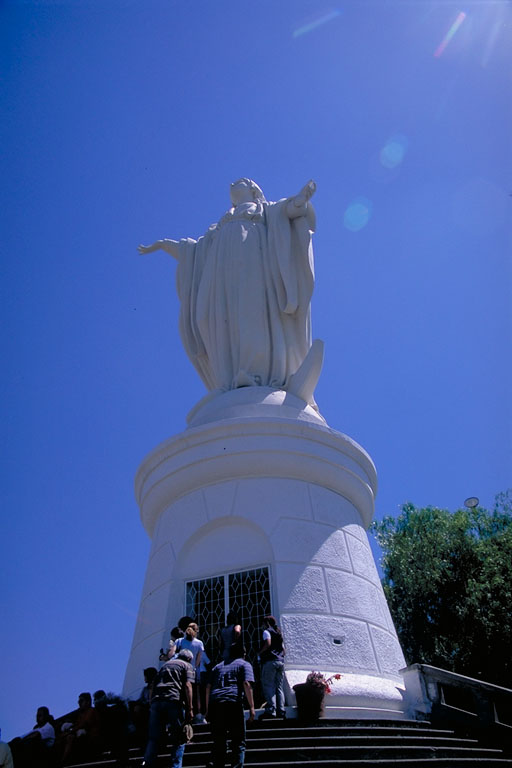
249, 597
247, 593
205, 603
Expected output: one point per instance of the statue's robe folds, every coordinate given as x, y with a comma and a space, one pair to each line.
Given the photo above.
245, 290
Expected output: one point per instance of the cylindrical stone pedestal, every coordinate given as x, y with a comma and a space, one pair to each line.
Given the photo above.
259, 479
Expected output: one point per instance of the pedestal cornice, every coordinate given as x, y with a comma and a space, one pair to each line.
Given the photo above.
251, 448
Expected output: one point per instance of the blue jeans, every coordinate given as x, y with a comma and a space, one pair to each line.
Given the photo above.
161, 714
227, 720
272, 682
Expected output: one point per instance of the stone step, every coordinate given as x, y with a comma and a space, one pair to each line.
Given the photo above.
346, 744
341, 723
349, 741
437, 762
259, 733
291, 755
449, 762
337, 761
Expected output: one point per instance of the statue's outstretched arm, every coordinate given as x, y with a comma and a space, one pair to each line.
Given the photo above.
169, 246
297, 205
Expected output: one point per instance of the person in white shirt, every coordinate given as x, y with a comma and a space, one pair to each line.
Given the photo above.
43, 728
191, 643
32, 746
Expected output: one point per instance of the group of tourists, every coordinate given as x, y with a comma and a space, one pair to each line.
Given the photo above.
186, 690
172, 696
77, 737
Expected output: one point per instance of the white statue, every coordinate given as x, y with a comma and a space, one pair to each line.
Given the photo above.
245, 290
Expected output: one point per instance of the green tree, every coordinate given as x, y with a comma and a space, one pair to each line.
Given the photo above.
448, 582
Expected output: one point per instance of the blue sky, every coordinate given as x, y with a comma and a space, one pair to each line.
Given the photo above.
125, 121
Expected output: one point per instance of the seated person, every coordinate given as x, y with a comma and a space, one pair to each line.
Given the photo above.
5, 756
36, 745
113, 724
80, 739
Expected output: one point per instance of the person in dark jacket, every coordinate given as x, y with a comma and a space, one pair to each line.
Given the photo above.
230, 636
272, 670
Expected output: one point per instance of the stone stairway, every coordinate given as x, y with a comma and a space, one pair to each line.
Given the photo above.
340, 744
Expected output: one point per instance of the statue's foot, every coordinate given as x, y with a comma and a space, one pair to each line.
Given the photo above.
303, 382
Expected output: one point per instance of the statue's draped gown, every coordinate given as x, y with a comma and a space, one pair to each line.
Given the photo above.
245, 289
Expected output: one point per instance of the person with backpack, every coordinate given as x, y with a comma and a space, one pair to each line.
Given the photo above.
272, 670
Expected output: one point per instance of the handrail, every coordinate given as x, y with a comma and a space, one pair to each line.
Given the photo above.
448, 697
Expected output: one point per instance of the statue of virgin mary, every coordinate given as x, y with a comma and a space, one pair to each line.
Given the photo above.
245, 289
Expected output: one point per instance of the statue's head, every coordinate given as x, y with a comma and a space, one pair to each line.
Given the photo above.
245, 190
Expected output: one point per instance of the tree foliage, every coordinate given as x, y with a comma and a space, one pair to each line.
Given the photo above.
448, 582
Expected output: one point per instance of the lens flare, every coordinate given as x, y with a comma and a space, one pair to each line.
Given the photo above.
357, 214
393, 152
316, 23
491, 41
453, 29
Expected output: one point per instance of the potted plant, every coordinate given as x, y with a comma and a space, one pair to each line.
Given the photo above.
310, 696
